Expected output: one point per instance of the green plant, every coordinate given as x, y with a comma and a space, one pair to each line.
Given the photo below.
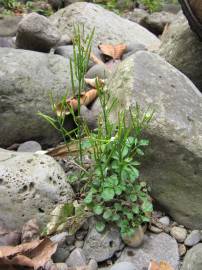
8, 4
152, 5
115, 193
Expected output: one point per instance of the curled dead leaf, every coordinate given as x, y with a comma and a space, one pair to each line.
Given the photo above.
114, 51
86, 98
160, 266
92, 82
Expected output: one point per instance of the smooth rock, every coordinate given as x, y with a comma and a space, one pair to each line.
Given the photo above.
30, 146
182, 249
182, 48
26, 81
179, 233
193, 259
35, 32
165, 220
35, 181
76, 258
98, 70
123, 266
155, 229
160, 247
79, 243
7, 42
138, 15
59, 238
173, 161
61, 266
133, 48
8, 25
92, 265
102, 246
193, 238
135, 240
60, 255
64, 41
109, 27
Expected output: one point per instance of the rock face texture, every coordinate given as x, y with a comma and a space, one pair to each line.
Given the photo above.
30, 187
26, 81
182, 48
193, 259
173, 162
162, 247
109, 27
35, 32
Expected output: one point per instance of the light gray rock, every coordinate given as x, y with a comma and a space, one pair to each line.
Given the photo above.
35, 32
30, 146
156, 21
123, 266
179, 233
165, 220
59, 238
30, 187
182, 48
61, 266
138, 15
92, 265
182, 249
6, 42
102, 246
133, 48
98, 70
193, 259
26, 81
109, 27
173, 162
76, 258
193, 238
160, 247
8, 25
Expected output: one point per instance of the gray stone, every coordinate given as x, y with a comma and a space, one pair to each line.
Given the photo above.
59, 238
8, 25
6, 42
133, 48
123, 266
182, 48
79, 243
165, 220
35, 32
98, 70
109, 27
60, 255
160, 247
30, 187
30, 146
173, 162
26, 81
76, 258
70, 239
179, 233
193, 259
92, 265
102, 246
182, 249
64, 41
138, 15
156, 21
62, 266
193, 238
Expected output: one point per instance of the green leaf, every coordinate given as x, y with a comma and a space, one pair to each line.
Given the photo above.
115, 217
107, 194
145, 219
98, 209
143, 142
118, 190
135, 209
124, 152
118, 206
100, 226
147, 206
129, 216
89, 198
133, 197
85, 144
139, 152
107, 214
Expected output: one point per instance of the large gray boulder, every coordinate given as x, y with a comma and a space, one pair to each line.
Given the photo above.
35, 32
182, 48
26, 81
160, 247
193, 259
30, 187
173, 163
109, 27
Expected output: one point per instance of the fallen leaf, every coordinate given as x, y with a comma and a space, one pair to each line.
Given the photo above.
160, 266
154, 266
9, 238
93, 82
30, 231
86, 98
95, 59
114, 51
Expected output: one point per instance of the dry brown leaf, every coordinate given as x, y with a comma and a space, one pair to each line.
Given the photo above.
96, 60
114, 51
61, 151
30, 231
85, 99
160, 266
92, 82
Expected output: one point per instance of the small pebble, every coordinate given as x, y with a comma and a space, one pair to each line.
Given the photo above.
59, 238
179, 234
92, 265
29, 146
182, 249
60, 255
193, 238
61, 266
123, 266
79, 243
76, 258
165, 220
155, 229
